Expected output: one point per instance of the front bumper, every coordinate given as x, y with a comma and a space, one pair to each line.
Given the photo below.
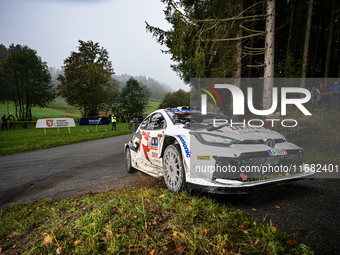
222, 186
247, 171
258, 165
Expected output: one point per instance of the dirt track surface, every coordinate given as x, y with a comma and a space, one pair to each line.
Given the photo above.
308, 209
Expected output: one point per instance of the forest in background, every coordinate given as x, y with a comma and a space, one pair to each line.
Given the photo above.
252, 39
158, 89
218, 39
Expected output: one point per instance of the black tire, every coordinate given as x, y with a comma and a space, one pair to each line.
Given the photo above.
129, 168
174, 173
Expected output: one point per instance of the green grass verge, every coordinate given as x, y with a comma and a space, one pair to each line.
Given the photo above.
21, 140
138, 221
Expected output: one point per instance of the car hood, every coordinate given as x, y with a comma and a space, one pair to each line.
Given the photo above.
243, 133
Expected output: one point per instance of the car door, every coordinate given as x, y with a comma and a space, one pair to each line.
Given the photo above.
142, 139
147, 139
155, 128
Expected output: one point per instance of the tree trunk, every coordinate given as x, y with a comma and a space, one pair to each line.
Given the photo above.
316, 47
251, 46
296, 26
329, 45
238, 71
239, 55
269, 55
290, 28
306, 44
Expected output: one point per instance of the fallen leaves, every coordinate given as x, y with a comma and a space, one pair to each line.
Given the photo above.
205, 232
77, 242
292, 243
273, 229
257, 241
48, 240
161, 196
277, 207
151, 252
178, 246
254, 209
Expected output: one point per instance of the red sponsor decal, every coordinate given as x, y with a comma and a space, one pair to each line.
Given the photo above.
146, 148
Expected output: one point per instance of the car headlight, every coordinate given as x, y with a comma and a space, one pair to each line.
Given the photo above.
214, 140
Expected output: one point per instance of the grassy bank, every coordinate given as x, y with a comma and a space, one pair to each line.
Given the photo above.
21, 140
138, 221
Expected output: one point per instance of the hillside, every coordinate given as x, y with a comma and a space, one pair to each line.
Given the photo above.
158, 89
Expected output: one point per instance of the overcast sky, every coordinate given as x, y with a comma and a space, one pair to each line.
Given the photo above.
53, 28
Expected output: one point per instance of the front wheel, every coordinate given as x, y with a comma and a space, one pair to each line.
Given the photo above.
174, 174
128, 160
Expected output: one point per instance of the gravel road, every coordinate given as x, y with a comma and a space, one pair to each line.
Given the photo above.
308, 209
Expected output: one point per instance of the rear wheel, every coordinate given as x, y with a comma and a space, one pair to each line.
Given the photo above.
174, 174
128, 160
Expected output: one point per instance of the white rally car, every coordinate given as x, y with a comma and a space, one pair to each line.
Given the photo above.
189, 151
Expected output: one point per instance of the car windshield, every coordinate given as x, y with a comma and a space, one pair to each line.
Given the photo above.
193, 119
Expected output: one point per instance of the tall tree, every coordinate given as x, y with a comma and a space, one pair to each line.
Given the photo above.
87, 78
28, 81
4, 91
269, 55
206, 37
306, 44
134, 97
174, 99
290, 27
329, 44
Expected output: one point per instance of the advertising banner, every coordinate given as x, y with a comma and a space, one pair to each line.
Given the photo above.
55, 123
94, 121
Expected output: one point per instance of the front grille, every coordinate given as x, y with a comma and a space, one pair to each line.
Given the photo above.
279, 140
256, 166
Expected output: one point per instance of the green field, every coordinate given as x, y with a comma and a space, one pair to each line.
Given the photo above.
54, 110
21, 140
151, 107
59, 108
